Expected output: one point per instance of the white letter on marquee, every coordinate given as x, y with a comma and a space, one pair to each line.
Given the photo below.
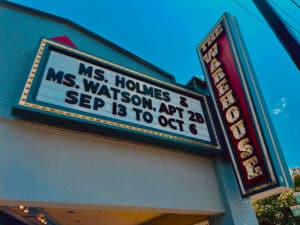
245, 148
232, 114
227, 100
212, 52
252, 170
223, 87
218, 75
238, 129
214, 64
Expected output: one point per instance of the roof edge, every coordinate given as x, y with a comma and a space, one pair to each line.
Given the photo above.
93, 35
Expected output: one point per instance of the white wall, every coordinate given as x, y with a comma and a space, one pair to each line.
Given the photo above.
43, 164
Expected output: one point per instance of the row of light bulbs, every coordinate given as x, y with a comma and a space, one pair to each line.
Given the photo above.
40, 217
24, 209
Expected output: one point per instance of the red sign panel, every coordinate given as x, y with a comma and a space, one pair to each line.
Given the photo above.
218, 57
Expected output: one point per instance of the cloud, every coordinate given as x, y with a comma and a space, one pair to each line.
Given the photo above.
280, 107
276, 111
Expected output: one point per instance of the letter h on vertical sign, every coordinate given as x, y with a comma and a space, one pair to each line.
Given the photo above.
254, 150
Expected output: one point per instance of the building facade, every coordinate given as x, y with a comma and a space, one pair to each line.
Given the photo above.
55, 172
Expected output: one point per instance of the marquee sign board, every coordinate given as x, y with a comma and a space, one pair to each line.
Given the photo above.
254, 151
68, 83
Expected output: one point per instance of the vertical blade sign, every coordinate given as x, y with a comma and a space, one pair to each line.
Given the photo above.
227, 85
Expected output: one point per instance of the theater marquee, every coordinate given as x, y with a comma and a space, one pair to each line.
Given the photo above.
254, 151
67, 83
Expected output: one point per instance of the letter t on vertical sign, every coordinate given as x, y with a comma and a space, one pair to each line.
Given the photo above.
254, 150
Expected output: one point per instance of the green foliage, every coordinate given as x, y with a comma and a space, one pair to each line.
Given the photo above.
275, 210
297, 182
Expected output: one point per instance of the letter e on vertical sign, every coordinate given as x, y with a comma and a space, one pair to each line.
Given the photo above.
255, 153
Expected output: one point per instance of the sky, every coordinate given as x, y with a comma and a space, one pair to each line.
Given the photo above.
166, 33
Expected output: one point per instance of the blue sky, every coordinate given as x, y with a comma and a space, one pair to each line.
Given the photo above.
166, 33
